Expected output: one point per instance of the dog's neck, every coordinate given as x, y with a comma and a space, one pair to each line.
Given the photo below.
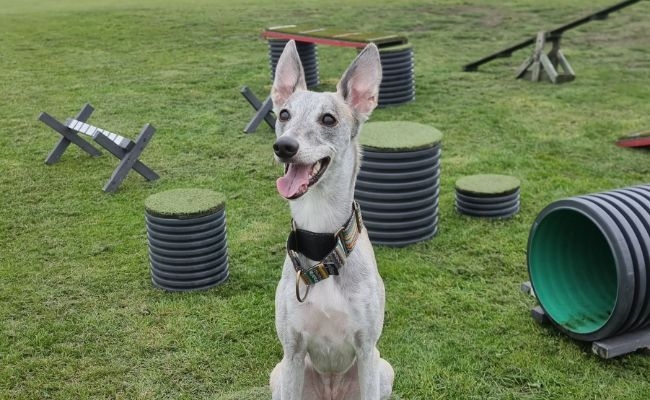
328, 205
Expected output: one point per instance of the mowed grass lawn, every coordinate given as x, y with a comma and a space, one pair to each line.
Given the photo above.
79, 317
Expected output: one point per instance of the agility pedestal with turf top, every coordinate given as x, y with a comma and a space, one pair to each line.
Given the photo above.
186, 232
488, 195
398, 185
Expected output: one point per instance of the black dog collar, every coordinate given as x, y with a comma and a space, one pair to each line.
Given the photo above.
331, 249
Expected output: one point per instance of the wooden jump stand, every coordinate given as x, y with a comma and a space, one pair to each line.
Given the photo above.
541, 67
610, 347
124, 149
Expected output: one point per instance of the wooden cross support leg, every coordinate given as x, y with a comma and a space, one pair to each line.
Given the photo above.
128, 158
68, 135
263, 111
541, 66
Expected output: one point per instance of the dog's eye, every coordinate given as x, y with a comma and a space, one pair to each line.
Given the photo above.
328, 120
284, 115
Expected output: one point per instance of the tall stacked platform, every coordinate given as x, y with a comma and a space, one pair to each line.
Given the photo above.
398, 83
488, 195
186, 232
398, 185
308, 57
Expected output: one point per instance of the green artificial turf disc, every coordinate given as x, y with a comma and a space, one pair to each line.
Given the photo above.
486, 185
184, 203
393, 136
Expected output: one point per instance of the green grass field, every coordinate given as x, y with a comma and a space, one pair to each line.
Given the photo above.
79, 317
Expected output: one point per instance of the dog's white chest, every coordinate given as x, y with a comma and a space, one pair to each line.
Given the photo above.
329, 326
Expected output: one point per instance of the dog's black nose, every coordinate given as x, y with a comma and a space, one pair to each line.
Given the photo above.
285, 147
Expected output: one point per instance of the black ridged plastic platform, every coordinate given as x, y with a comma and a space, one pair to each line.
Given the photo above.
488, 196
397, 85
308, 56
398, 185
186, 233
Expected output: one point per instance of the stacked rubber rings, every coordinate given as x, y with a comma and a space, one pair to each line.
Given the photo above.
488, 195
397, 85
308, 57
398, 185
186, 232
589, 263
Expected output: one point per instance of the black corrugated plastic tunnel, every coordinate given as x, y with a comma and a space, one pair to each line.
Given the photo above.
589, 262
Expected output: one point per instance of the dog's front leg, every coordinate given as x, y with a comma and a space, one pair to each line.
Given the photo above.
293, 371
293, 377
368, 367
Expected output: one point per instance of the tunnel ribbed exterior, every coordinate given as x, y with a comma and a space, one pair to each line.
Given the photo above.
589, 263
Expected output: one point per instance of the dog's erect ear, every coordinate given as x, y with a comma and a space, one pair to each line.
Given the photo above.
289, 75
359, 85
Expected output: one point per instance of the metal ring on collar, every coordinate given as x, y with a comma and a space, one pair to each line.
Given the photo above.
298, 279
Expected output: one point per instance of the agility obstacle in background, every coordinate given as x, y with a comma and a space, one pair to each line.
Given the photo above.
636, 140
396, 55
589, 267
488, 196
126, 150
540, 66
398, 185
186, 233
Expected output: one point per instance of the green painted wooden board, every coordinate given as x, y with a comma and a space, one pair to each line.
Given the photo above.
487, 184
184, 203
395, 49
391, 136
330, 36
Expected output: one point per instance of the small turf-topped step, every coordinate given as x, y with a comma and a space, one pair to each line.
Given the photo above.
488, 195
184, 203
487, 185
398, 136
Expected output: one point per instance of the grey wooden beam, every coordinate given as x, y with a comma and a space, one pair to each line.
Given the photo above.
263, 110
128, 159
623, 344
68, 135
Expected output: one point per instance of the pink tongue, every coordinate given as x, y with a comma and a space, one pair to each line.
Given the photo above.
294, 182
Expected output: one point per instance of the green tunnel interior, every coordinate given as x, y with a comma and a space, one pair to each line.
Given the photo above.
573, 270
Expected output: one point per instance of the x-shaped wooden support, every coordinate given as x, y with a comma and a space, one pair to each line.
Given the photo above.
263, 111
128, 159
126, 150
68, 135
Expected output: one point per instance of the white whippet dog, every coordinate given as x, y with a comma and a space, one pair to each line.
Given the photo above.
329, 303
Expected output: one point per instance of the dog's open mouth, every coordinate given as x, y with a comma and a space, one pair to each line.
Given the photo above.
298, 178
